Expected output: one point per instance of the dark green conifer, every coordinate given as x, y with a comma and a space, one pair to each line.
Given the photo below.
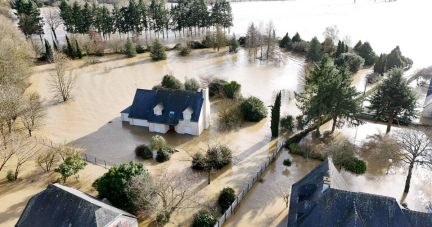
78, 50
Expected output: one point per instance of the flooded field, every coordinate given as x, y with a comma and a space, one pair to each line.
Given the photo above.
92, 119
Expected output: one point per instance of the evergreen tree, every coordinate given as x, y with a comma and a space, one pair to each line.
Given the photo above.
66, 15
345, 106
365, 51
380, 64
130, 49
314, 52
316, 99
77, 18
70, 51
55, 46
346, 48
296, 38
48, 51
233, 45
275, 115
157, 51
358, 45
351, 61
394, 59
107, 24
394, 99
78, 50
86, 18
340, 49
30, 21
284, 41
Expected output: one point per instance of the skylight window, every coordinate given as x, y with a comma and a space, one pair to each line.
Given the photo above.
171, 114
148, 109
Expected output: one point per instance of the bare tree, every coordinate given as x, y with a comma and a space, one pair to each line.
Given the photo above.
409, 147
252, 40
25, 149
271, 40
341, 152
62, 149
142, 192
61, 83
11, 106
6, 150
53, 19
34, 113
286, 196
47, 158
331, 32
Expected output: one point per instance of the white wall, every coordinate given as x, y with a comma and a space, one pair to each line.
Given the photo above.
125, 116
124, 221
140, 122
427, 111
163, 128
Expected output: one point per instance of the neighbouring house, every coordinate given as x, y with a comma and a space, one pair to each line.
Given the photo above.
58, 205
161, 110
323, 198
427, 108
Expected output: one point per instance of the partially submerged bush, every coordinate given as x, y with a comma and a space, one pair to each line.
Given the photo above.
184, 50
215, 157
293, 148
169, 81
10, 175
157, 51
232, 90
191, 84
203, 219
163, 155
372, 78
198, 161
351, 60
215, 87
140, 49
157, 142
130, 49
226, 197
230, 114
287, 123
253, 109
299, 47
196, 45
143, 151
356, 165
287, 162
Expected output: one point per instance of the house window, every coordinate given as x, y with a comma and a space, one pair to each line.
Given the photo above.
187, 118
171, 113
158, 112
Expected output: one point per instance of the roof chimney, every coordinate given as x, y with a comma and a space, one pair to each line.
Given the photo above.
326, 184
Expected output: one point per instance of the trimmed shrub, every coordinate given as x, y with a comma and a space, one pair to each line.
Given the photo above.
157, 142
356, 165
143, 151
287, 162
351, 60
169, 149
203, 219
293, 148
233, 45
10, 175
191, 84
157, 51
253, 109
139, 49
218, 157
287, 123
226, 197
163, 155
130, 49
169, 81
198, 161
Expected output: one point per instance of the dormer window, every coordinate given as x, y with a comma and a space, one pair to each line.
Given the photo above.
158, 109
187, 113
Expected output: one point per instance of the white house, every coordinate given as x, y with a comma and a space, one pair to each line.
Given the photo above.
427, 111
186, 112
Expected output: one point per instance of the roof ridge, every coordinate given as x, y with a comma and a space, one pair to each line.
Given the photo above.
365, 193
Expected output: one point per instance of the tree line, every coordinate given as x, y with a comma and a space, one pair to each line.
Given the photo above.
188, 16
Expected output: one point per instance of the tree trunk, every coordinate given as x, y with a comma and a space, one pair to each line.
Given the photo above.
16, 172
408, 179
317, 134
55, 35
389, 124
209, 176
334, 124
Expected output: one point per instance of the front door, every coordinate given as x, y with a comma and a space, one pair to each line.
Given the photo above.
172, 127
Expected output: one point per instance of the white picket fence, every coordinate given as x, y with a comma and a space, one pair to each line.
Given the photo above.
239, 198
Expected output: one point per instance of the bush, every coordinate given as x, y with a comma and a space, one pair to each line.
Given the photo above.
242, 40
356, 165
351, 60
143, 151
196, 45
365, 51
157, 142
169, 81
218, 157
300, 122
10, 175
157, 51
287, 162
191, 84
160, 218
287, 123
203, 219
198, 161
372, 78
163, 155
230, 114
299, 47
226, 197
253, 109
184, 50
232, 90
112, 184
130, 50
233, 45
71, 166
293, 148
139, 49
215, 87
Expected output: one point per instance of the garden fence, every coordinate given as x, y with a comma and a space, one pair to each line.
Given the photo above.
97, 161
239, 198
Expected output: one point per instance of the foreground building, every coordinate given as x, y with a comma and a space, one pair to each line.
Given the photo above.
322, 198
186, 112
59, 206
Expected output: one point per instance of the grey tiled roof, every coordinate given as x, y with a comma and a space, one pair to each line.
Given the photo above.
172, 100
59, 206
338, 207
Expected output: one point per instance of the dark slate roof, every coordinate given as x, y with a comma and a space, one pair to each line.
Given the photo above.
61, 206
172, 100
127, 110
142, 104
341, 208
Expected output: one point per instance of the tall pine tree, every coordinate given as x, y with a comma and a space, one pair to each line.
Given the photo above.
70, 50
275, 115
48, 51
78, 50
314, 52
